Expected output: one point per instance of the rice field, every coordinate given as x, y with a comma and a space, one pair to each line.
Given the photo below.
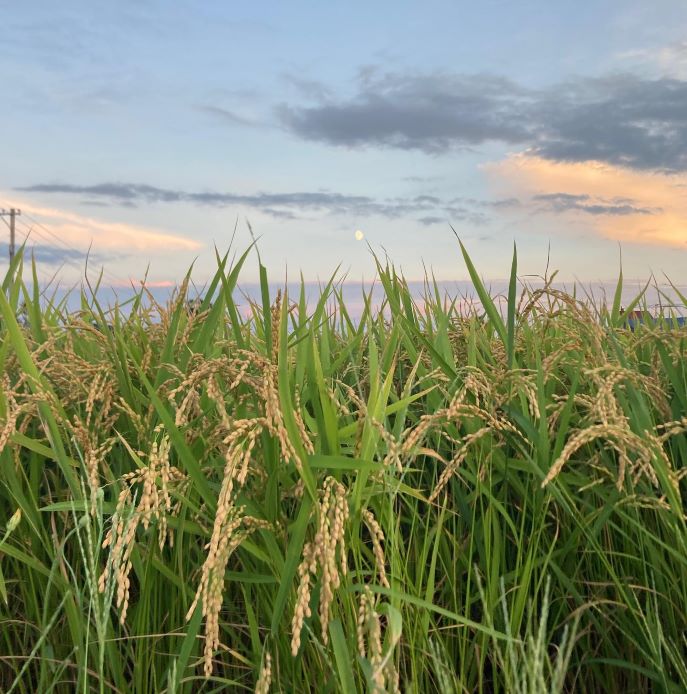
425, 498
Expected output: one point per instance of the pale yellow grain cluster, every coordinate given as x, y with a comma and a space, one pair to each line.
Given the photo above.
153, 482
231, 526
384, 676
13, 411
377, 535
87, 431
605, 423
224, 379
262, 686
326, 555
93, 452
635, 453
223, 543
477, 401
673, 428
22, 399
274, 416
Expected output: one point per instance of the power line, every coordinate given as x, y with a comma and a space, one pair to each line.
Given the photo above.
26, 235
12, 213
70, 259
32, 230
70, 247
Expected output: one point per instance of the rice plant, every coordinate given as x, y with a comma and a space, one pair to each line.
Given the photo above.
434, 495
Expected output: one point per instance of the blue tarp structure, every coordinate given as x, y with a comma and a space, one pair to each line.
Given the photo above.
635, 318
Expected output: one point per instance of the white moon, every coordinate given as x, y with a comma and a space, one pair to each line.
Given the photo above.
359, 236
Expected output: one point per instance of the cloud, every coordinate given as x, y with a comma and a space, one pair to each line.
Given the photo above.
564, 202
279, 205
428, 112
430, 221
631, 206
621, 119
80, 231
113, 191
52, 255
421, 179
159, 284
306, 87
668, 61
497, 204
503, 203
230, 117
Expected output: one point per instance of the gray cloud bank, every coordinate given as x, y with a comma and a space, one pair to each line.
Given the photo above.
56, 255
616, 207
620, 119
285, 205
427, 210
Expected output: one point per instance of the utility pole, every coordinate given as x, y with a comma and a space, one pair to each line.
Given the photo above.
12, 213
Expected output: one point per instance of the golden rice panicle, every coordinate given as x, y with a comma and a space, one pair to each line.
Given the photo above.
159, 464
93, 455
370, 634
136, 419
230, 528
300, 425
329, 538
10, 424
275, 315
669, 429
240, 443
93, 395
377, 535
326, 553
121, 538
274, 417
414, 435
575, 442
622, 440
154, 503
265, 679
526, 382
92, 472
147, 358
226, 521
189, 406
341, 515
341, 407
241, 374
302, 609
606, 408
475, 383
100, 401
457, 460
215, 394
211, 588
363, 612
393, 447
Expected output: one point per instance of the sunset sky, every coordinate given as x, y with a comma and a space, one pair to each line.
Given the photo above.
148, 131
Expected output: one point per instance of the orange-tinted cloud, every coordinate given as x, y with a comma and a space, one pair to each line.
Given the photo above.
622, 204
80, 231
158, 284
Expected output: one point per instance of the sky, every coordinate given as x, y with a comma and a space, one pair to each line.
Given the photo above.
148, 134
